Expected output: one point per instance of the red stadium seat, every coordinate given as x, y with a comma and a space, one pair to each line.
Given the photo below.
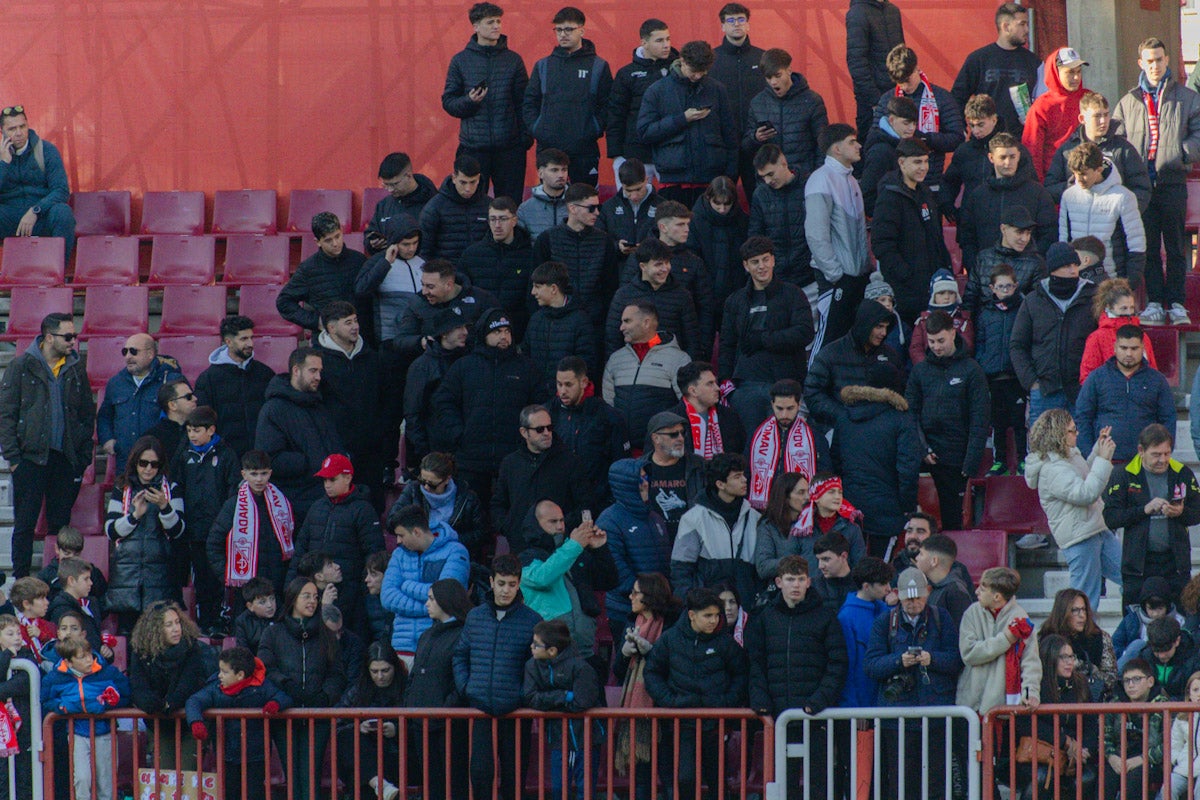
304, 204
104, 359
1165, 340
257, 259
190, 351
31, 303
979, 550
308, 245
950, 237
1191, 216
244, 211
258, 303
371, 198
172, 213
106, 261
192, 310
188, 260
927, 498
101, 213
274, 350
33, 261
115, 311
87, 517
1008, 504
1191, 297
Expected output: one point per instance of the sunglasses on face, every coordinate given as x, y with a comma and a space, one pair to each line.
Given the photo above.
188, 396
70, 337
540, 428
130, 351
147, 463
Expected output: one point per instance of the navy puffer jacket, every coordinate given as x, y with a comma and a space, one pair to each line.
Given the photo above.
554, 334
592, 261
687, 669
347, 531
779, 214
993, 332
625, 101
639, 542
490, 656
502, 270
799, 117
495, 123
566, 113
717, 238
689, 152
319, 280
450, 223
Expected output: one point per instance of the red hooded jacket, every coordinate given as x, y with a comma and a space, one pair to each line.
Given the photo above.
1052, 119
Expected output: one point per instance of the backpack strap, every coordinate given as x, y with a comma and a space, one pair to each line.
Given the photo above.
39, 155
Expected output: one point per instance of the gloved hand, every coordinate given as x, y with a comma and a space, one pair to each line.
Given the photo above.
270, 707
1020, 628
199, 731
628, 649
110, 696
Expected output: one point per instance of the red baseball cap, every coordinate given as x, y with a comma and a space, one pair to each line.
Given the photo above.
334, 465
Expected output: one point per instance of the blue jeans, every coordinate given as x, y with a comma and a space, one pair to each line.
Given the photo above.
1039, 402
1095, 557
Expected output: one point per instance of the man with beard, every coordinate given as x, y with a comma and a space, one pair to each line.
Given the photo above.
588, 427
672, 479
1005, 70
234, 385
783, 443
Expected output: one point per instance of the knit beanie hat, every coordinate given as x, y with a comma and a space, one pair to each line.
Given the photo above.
877, 287
1060, 255
943, 281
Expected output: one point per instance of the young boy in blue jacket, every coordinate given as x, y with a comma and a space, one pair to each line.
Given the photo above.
858, 613
79, 684
241, 682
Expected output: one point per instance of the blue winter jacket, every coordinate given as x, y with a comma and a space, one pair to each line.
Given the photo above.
64, 692
129, 410
23, 184
408, 578
857, 618
256, 695
638, 541
891, 635
489, 659
993, 331
1127, 404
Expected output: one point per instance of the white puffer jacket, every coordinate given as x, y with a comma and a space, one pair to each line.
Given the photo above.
1098, 211
1069, 489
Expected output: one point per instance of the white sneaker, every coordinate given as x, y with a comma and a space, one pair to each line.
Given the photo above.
1179, 315
1153, 314
390, 790
1032, 541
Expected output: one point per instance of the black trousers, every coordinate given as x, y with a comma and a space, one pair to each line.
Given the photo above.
56, 482
680, 768
1009, 402
584, 168
255, 772
688, 195
951, 485
911, 767
210, 594
483, 765
505, 169
1163, 221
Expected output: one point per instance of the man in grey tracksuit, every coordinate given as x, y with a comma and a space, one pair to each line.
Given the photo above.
835, 226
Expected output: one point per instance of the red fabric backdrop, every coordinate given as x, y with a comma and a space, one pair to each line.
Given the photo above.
153, 94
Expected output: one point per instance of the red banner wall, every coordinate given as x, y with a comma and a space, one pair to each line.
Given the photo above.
146, 94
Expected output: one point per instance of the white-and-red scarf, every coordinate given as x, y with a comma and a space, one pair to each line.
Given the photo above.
127, 495
929, 119
241, 546
707, 446
799, 455
1151, 99
806, 523
10, 723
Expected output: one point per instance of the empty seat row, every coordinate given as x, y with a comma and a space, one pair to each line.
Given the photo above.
235, 211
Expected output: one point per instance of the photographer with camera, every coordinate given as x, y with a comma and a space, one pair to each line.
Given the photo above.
913, 655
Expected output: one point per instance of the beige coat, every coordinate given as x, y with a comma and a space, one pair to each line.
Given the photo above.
982, 644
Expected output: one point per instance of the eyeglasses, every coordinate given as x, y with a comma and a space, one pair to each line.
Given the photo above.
591, 208
188, 396
130, 351
1134, 680
70, 337
736, 20
565, 29
1004, 286
536, 646
1066, 657
672, 434
12, 111
431, 484
494, 220
1081, 611
146, 463
540, 428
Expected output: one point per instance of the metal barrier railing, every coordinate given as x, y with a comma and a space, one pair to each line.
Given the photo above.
948, 738
33, 756
364, 753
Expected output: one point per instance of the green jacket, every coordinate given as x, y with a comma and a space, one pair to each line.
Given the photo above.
1132, 723
543, 582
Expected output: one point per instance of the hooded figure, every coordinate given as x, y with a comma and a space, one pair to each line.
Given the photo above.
943, 296
386, 287
1055, 113
848, 361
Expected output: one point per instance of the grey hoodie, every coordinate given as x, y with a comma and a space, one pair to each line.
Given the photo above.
835, 224
541, 211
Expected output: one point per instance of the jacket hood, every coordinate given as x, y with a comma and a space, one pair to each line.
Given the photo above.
500, 46
1053, 84
326, 341
1035, 464
852, 395
1106, 321
1113, 178
641, 59
539, 193
281, 387
704, 209
401, 226
452, 194
586, 50
221, 356
443, 536
35, 350
624, 477
870, 314
894, 182
812, 599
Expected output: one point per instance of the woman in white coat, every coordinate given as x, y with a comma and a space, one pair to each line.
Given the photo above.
1069, 489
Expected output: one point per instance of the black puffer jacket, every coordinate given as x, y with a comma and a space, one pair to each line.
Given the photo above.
768, 346
687, 669
993, 331
797, 655
424, 376
297, 431
431, 679
799, 117
1047, 344
629, 85
347, 531
319, 280
596, 434
206, 480
560, 107
139, 571
736, 68
691, 273
303, 659
350, 385
1028, 266
689, 152
527, 478
676, 313
877, 451
554, 334
412, 203
873, 28
450, 223
495, 123
479, 401
417, 319
502, 270
970, 167
717, 239
847, 362
978, 220
878, 159
779, 214
490, 656
237, 395
163, 684
949, 397
1117, 149
618, 219
949, 135
906, 236
592, 261
466, 517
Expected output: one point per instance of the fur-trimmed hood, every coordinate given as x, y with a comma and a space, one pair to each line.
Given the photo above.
869, 394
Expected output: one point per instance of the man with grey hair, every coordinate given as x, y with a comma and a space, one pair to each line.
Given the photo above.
542, 469
133, 390
673, 478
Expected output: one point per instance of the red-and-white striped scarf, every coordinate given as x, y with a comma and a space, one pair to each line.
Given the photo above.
1151, 99
707, 446
929, 119
241, 545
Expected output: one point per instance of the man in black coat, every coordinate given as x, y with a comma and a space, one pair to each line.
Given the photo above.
1005, 70
970, 166
560, 328
177, 401
777, 212
1015, 247
351, 381
1096, 125
442, 288
848, 361
949, 397
736, 66
879, 150
485, 87
449, 344
479, 402
296, 430
656, 285
323, 277
455, 217
650, 63
408, 192
234, 384
906, 230
588, 427
500, 263
540, 469
798, 659
629, 215
714, 428
794, 115
873, 28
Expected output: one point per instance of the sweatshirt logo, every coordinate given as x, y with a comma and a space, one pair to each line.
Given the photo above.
955, 381
641, 73
583, 73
